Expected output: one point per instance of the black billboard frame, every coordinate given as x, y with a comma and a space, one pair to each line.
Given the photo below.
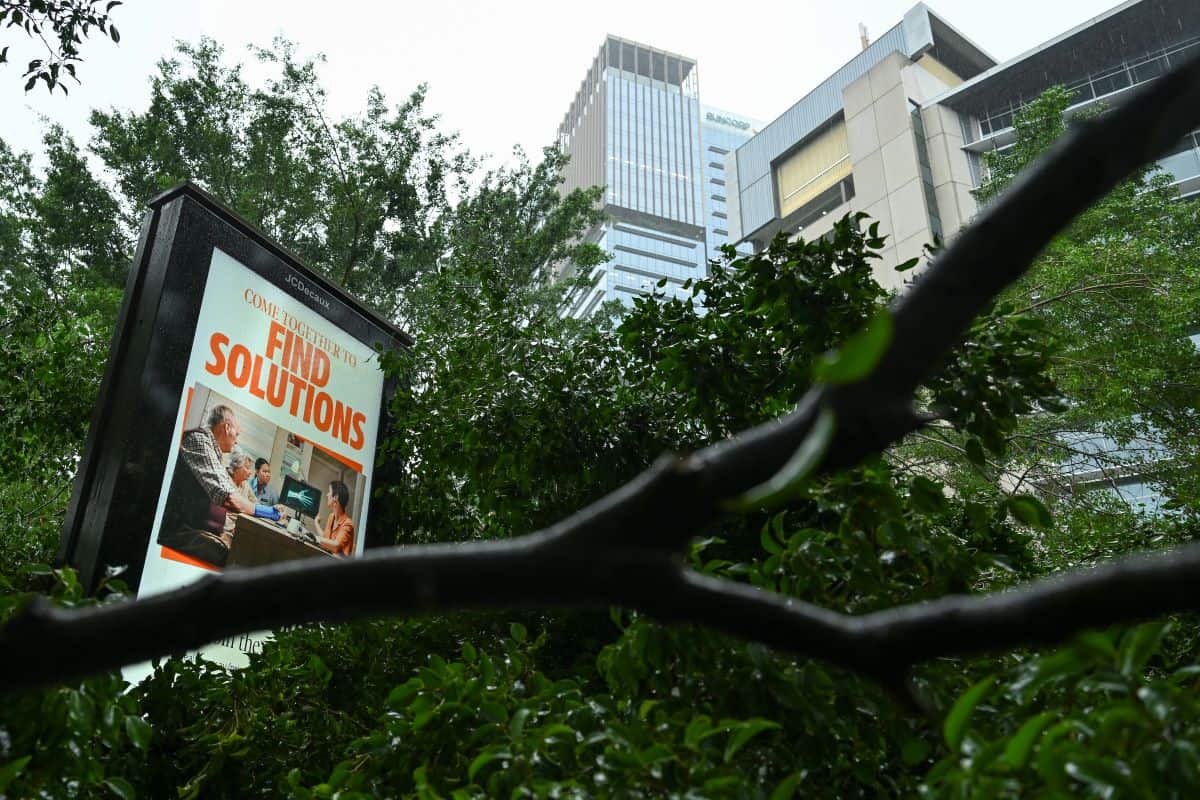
114, 498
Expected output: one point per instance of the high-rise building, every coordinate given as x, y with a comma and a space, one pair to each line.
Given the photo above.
636, 127
898, 131
721, 133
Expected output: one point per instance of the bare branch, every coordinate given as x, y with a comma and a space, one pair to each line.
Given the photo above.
1132, 283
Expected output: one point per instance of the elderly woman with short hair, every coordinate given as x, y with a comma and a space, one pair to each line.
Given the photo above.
241, 467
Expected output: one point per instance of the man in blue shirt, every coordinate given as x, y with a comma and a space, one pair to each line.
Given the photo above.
261, 483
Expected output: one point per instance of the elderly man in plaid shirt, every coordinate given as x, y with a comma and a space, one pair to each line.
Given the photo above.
201, 491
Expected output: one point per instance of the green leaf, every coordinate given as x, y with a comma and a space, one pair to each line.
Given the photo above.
121, 788
1049, 762
785, 484
786, 788
859, 355
721, 784
1044, 669
927, 495
1185, 674
10, 771
654, 754
516, 725
483, 759
423, 718
956, 721
1099, 642
1020, 746
768, 541
400, 695
746, 731
698, 730
905, 266
139, 731
557, 729
517, 631
1099, 772
975, 452
1139, 646
1030, 511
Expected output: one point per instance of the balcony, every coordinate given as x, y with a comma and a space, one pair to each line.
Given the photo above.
1107, 85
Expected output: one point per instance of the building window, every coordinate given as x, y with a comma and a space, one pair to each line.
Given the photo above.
931, 209
812, 169
820, 205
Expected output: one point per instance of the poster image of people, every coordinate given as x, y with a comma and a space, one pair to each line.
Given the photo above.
273, 445
247, 492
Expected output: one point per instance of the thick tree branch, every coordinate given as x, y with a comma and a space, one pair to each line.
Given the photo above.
48, 644
627, 549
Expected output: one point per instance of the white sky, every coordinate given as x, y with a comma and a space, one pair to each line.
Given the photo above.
503, 74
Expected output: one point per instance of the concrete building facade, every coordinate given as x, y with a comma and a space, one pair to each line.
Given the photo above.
899, 131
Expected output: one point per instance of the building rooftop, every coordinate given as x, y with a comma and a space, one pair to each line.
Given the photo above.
1118, 36
648, 61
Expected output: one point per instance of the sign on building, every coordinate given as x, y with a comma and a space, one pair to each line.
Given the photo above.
233, 366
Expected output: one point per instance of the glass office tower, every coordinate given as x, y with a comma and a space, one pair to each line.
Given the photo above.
721, 133
635, 127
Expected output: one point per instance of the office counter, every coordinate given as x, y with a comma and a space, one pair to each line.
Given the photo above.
257, 542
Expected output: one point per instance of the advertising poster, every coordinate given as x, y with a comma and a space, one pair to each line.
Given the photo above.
281, 407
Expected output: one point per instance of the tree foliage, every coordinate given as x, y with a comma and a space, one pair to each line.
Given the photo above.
1117, 296
1112, 714
508, 417
362, 199
63, 258
61, 25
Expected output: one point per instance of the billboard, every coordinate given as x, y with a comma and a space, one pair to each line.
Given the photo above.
297, 402
239, 415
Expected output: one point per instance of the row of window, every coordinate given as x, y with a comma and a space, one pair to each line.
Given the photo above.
1095, 85
653, 156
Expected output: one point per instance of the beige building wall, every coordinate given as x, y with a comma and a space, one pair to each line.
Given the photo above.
880, 135
887, 174
888, 183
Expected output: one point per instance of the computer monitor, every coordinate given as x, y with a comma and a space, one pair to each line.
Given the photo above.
303, 497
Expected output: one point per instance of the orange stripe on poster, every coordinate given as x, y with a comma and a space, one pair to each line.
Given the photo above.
354, 465
186, 408
175, 555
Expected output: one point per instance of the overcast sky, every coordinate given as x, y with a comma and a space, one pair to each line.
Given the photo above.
503, 74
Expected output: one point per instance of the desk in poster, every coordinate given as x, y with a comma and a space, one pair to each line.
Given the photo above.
257, 542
